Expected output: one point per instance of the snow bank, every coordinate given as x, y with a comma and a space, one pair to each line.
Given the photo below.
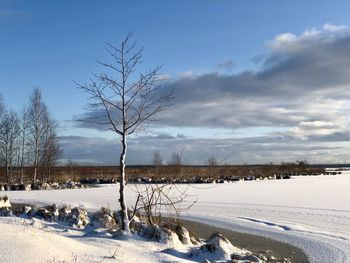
33, 242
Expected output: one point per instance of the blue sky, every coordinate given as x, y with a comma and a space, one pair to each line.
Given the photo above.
50, 44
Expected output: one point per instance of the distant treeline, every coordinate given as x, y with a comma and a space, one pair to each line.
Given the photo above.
173, 172
28, 138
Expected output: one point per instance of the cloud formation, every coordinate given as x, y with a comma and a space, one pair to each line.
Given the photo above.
227, 65
303, 85
307, 83
251, 150
289, 42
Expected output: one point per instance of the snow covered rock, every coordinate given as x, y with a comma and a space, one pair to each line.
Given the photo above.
5, 206
166, 233
5, 202
27, 211
217, 248
44, 213
182, 233
64, 212
5, 212
54, 211
104, 219
45, 186
71, 185
48, 213
78, 217
218, 244
55, 185
155, 232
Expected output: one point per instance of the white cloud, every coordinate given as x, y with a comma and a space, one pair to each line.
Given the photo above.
164, 77
289, 42
317, 124
306, 129
334, 28
186, 74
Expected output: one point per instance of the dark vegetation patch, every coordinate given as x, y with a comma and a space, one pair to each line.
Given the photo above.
173, 173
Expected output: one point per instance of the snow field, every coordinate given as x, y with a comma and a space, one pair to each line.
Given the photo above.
310, 212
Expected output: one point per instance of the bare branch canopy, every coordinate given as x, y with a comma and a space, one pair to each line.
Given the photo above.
123, 99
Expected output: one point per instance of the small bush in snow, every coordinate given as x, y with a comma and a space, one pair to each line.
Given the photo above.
104, 219
78, 217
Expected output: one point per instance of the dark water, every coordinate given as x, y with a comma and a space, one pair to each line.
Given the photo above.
255, 244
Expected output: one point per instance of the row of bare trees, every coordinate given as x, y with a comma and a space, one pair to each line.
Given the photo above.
28, 138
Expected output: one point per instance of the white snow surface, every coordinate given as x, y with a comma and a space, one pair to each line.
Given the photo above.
310, 212
35, 241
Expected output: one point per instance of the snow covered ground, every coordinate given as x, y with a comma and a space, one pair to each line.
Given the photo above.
312, 213
21, 241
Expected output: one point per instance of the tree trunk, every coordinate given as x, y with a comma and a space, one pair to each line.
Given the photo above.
22, 162
7, 174
124, 209
21, 175
43, 170
24, 123
35, 162
34, 177
49, 173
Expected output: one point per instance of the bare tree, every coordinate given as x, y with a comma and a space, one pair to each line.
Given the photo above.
8, 141
176, 159
123, 101
176, 163
52, 149
43, 155
37, 112
28, 137
24, 123
212, 163
157, 161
